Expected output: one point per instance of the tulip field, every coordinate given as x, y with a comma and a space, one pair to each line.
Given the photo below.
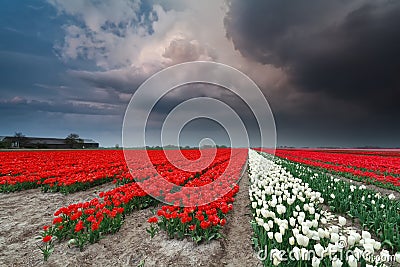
86, 222
300, 212
292, 228
377, 167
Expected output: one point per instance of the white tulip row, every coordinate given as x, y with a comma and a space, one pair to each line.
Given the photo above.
334, 180
288, 220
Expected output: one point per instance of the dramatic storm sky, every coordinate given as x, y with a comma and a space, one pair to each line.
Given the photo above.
330, 70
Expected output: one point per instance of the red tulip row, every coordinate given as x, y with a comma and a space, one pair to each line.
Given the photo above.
202, 222
373, 152
65, 171
375, 167
84, 223
371, 161
166, 166
71, 171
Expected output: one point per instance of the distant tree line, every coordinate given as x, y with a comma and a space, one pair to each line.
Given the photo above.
74, 141
173, 147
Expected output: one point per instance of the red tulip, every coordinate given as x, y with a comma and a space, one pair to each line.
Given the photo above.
78, 226
47, 238
152, 220
57, 220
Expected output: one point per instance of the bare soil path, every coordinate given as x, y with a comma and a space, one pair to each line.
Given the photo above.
237, 246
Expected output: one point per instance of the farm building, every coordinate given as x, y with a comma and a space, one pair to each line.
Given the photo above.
44, 142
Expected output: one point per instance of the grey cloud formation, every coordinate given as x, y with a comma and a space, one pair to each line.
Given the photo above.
21, 105
124, 80
347, 50
329, 69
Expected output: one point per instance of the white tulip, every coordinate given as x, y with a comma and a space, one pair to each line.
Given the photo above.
352, 261
277, 257
351, 240
319, 250
296, 253
273, 202
358, 253
282, 230
377, 245
342, 241
305, 229
365, 234
337, 263
315, 262
292, 221
304, 254
258, 212
334, 238
311, 210
357, 236
334, 229
278, 237
259, 221
270, 235
321, 232
315, 223
342, 221
385, 255
290, 201
302, 240
369, 248
295, 231
397, 257
332, 249
280, 209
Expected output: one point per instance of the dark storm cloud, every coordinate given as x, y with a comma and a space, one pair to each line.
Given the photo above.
348, 50
21, 105
200, 125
